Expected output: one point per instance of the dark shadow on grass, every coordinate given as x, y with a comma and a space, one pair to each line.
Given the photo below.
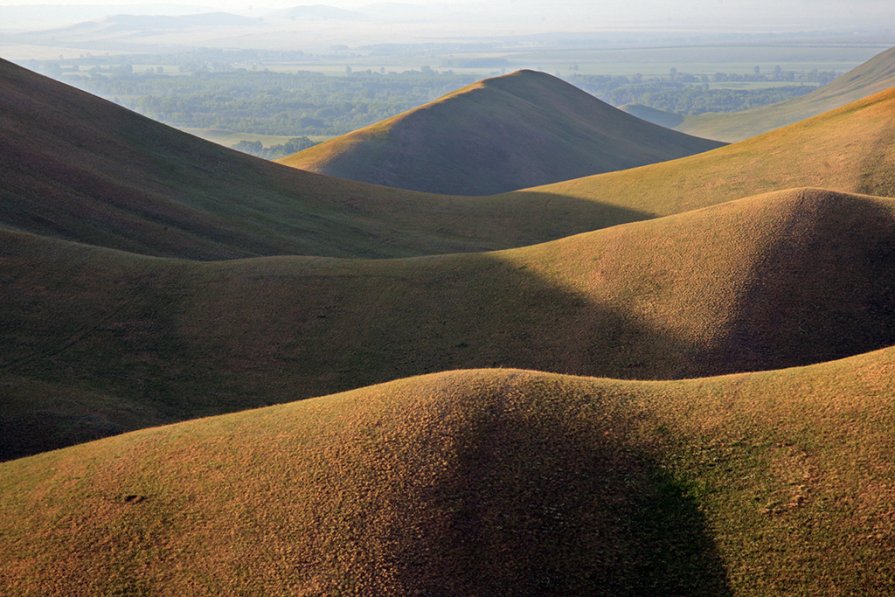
551, 497
83, 169
189, 340
825, 289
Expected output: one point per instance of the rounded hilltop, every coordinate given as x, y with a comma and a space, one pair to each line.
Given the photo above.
519, 130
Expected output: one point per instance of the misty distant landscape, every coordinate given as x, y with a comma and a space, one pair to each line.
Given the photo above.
447, 299
180, 70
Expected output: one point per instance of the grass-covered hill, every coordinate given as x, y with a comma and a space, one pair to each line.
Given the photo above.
97, 341
515, 131
482, 482
851, 149
875, 75
79, 168
145, 279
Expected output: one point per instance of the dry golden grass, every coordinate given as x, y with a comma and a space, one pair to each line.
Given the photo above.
519, 130
482, 482
470, 482
788, 278
848, 150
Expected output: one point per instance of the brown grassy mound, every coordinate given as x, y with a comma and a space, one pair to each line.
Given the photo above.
510, 132
784, 279
481, 482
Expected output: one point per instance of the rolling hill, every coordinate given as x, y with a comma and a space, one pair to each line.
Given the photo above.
851, 149
481, 482
82, 169
784, 279
519, 130
128, 29
877, 74
148, 277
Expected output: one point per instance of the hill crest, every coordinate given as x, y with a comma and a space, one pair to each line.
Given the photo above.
874, 76
481, 481
716, 290
510, 132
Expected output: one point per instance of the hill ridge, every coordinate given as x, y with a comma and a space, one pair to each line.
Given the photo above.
847, 149
469, 141
716, 290
191, 199
874, 76
501, 478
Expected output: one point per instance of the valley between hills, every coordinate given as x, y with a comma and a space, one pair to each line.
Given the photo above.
576, 352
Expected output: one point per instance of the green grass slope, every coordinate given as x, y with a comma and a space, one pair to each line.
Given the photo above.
875, 75
80, 168
482, 482
519, 130
784, 279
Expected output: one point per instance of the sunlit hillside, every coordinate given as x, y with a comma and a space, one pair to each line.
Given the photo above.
481, 481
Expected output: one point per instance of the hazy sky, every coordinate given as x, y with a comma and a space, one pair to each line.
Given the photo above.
600, 14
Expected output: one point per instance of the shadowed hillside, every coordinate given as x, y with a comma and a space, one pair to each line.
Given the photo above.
81, 168
481, 482
873, 76
789, 278
654, 115
519, 130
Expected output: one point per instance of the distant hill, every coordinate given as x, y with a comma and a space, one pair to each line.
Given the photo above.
39, 15
783, 279
153, 22
506, 133
318, 12
659, 117
871, 77
140, 24
481, 482
81, 168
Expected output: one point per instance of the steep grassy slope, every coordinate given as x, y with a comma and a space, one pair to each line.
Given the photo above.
789, 278
519, 130
875, 75
482, 482
851, 149
80, 168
